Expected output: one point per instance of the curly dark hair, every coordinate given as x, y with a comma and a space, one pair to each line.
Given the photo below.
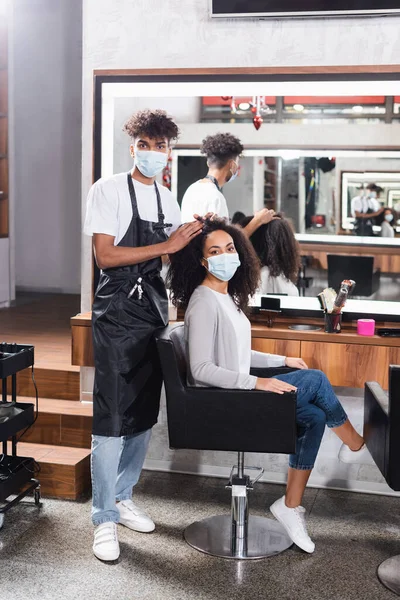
186, 272
153, 124
380, 218
277, 247
220, 148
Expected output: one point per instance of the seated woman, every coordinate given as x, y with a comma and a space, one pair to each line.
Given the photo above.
212, 278
279, 253
387, 221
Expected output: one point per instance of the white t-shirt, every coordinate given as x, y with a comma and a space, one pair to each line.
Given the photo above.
202, 197
109, 207
241, 327
361, 204
276, 285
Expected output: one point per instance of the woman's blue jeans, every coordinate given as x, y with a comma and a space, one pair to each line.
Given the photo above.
317, 406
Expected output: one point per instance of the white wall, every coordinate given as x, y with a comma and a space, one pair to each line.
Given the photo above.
46, 159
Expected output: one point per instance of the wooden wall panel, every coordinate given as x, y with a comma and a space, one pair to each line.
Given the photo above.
82, 346
3, 136
3, 91
350, 365
3, 176
51, 383
283, 347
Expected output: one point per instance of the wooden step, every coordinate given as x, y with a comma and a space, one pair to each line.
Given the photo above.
51, 383
64, 472
61, 423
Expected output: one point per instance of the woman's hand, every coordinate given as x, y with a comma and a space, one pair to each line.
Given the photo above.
295, 363
274, 385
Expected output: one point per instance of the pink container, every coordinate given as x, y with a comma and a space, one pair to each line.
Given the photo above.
366, 327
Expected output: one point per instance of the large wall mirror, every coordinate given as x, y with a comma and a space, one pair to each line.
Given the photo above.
319, 146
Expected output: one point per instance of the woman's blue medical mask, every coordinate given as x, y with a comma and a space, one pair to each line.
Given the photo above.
389, 217
223, 266
149, 162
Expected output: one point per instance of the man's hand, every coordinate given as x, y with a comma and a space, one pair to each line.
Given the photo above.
264, 216
182, 236
295, 363
274, 385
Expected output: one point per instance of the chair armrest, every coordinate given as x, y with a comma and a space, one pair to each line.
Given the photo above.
270, 371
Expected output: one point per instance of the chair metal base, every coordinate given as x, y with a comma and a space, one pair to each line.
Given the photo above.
214, 536
389, 574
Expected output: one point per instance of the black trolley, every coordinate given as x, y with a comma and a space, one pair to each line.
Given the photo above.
15, 471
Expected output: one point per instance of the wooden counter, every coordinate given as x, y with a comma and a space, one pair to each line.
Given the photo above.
387, 258
346, 358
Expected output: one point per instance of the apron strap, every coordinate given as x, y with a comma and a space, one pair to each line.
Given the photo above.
135, 213
214, 180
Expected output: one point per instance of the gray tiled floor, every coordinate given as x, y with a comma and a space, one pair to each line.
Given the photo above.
47, 555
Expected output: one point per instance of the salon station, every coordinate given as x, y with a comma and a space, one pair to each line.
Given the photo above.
317, 158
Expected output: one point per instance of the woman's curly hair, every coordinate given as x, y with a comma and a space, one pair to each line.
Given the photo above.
277, 247
381, 218
186, 272
153, 124
220, 148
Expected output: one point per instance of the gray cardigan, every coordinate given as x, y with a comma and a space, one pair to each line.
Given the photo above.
211, 346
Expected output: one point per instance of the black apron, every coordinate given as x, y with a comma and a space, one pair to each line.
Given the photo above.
129, 305
365, 226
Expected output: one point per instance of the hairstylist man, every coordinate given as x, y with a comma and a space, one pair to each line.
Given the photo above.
205, 196
130, 218
365, 208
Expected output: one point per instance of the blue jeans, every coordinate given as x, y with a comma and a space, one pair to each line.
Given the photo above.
317, 406
116, 465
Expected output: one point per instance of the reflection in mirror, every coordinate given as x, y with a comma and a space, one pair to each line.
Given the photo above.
312, 159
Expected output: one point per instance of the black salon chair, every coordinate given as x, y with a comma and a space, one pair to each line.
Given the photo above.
358, 268
227, 420
382, 436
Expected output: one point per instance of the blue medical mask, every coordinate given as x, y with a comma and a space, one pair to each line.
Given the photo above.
372, 194
389, 217
223, 266
150, 163
234, 175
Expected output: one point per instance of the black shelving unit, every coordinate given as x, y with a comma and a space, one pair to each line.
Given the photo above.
15, 471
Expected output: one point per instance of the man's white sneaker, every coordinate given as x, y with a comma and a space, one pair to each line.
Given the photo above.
134, 517
105, 545
360, 457
294, 522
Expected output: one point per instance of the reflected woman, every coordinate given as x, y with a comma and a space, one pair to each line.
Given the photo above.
279, 253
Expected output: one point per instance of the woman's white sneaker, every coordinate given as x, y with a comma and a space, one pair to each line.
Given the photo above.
358, 457
293, 520
105, 545
134, 517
